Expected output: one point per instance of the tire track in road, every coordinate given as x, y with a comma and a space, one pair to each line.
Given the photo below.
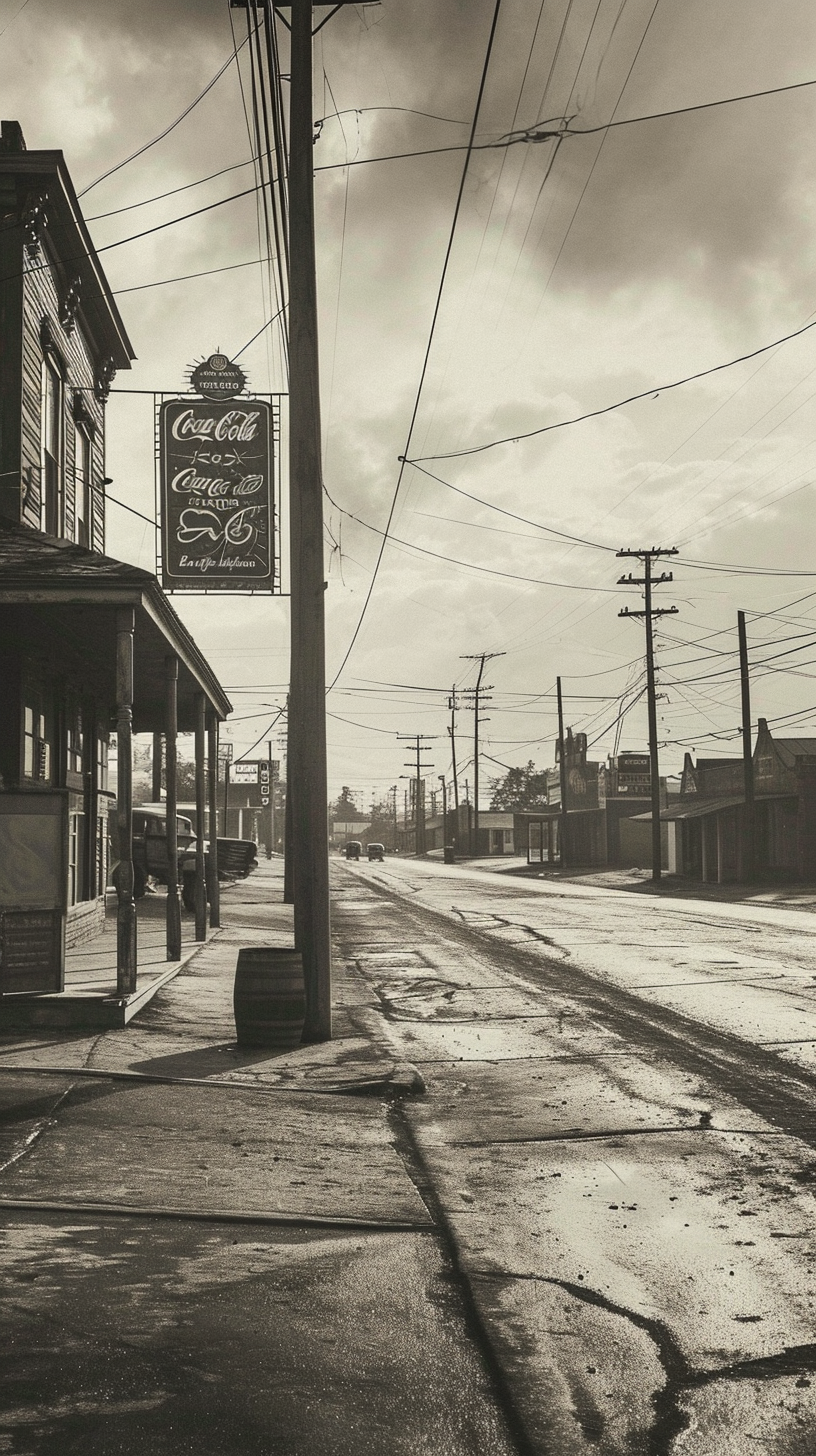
561, 1406
753, 1075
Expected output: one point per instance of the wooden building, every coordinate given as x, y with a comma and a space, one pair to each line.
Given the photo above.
604, 824
87, 644
709, 821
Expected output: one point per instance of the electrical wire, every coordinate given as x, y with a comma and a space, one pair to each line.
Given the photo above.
167, 130
134, 237
173, 191
454, 561
261, 330
183, 277
513, 515
264, 735
429, 344
652, 393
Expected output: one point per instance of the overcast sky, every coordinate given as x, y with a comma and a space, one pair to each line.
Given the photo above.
581, 273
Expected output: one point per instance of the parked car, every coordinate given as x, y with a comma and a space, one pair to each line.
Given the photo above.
236, 857
354, 849
150, 847
376, 851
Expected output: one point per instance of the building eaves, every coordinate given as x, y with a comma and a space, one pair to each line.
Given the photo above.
37, 568
73, 248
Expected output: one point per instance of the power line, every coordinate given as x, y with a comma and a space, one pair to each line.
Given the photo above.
429, 344
261, 330
452, 561
172, 192
563, 131
528, 133
652, 393
167, 130
513, 515
183, 277
134, 237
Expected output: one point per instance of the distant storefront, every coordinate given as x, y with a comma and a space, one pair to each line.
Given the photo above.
605, 804
709, 824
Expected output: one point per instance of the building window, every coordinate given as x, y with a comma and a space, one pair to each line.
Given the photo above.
101, 763
36, 749
102, 852
82, 486
51, 447
74, 743
73, 857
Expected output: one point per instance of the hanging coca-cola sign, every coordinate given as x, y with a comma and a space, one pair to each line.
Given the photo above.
217, 507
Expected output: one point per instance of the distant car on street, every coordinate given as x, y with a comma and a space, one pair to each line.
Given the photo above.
354, 849
376, 851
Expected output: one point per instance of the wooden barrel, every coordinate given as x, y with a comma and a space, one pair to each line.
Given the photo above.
269, 997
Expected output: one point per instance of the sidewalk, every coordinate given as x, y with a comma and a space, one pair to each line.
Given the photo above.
223, 1252
91, 997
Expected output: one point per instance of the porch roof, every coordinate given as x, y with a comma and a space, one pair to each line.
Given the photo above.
709, 806
60, 601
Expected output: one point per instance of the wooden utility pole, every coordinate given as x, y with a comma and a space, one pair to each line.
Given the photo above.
452, 734
419, 800
126, 938
200, 803
307, 698
562, 778
270, 834
441, 778
649, 613
749, 822
481, 658
213, 888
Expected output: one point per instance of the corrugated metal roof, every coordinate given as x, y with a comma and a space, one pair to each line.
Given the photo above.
792, 748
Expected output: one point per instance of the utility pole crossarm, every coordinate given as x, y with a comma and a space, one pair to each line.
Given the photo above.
655, 612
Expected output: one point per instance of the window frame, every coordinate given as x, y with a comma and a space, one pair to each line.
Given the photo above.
52, 465
83, 484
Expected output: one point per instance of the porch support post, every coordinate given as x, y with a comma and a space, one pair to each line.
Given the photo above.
213, 892
171, 731
156, 767
126, 907
201, 799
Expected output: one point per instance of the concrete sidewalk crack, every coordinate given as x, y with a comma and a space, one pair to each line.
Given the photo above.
37, 1132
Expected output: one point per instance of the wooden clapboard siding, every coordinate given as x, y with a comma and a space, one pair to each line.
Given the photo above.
42, 301
11, 351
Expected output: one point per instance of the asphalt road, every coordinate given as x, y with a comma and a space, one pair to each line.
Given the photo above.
619, 1138
208, 1250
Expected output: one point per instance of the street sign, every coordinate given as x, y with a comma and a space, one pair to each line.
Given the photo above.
245, 772
217, 507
